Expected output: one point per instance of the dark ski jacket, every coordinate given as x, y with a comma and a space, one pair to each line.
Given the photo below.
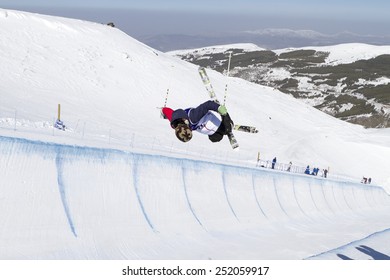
192, 114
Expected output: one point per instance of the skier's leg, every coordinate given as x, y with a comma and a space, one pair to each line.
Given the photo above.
216, 137
227, 124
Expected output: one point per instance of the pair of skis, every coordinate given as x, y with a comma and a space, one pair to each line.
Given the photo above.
245, 128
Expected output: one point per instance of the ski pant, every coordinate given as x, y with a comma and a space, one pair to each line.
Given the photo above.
225, 127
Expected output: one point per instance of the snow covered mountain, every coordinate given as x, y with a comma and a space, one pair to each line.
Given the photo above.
119, 171
349, 81
269, 38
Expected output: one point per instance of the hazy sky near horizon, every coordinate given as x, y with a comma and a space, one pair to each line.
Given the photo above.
153, 17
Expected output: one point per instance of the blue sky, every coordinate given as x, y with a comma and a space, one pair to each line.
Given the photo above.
175, 16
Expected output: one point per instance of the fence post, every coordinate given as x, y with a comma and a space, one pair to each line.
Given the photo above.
84, 129
132, 140
54, 121
15, 120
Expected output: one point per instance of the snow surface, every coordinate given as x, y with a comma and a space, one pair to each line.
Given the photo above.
345, 53
118, 185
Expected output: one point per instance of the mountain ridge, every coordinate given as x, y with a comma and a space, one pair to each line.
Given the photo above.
348, 81
269, 38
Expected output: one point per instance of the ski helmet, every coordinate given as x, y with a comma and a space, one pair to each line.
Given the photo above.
183, 132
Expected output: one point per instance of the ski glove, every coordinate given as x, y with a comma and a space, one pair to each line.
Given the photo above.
222, 110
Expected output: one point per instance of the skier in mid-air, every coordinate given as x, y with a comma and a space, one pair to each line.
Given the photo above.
208, 118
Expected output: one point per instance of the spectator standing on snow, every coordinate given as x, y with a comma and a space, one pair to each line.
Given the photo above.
273, 163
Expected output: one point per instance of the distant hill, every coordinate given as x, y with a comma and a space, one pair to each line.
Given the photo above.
270, 38
348, 81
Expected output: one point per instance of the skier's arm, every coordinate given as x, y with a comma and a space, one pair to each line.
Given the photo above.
197, 113
167, 113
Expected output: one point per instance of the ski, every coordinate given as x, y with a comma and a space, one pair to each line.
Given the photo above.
245, 128
232, 140
206, 81
209, 87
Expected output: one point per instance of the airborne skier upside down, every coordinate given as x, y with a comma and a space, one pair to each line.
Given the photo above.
204, 118
208, 118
